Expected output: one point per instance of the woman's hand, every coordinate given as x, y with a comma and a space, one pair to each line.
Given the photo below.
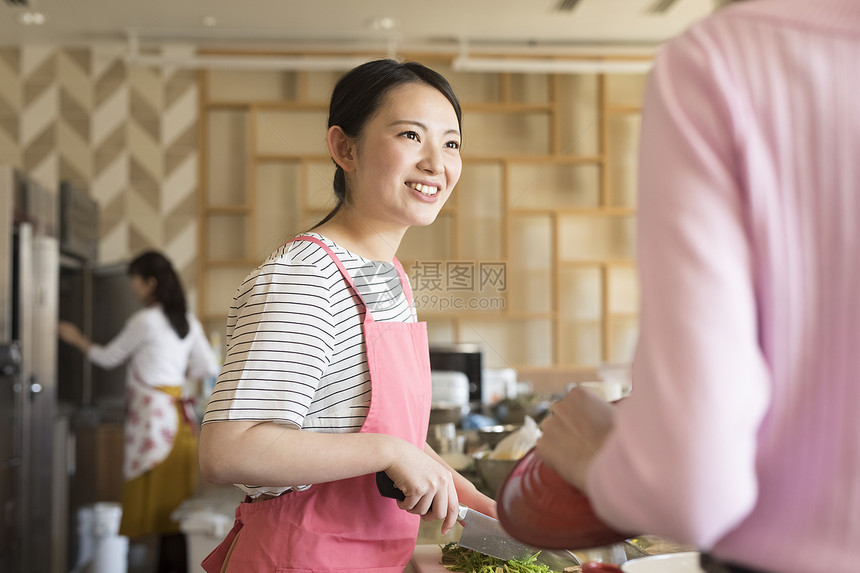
474, 499
427, 484
71, 334
467, 493
573, 433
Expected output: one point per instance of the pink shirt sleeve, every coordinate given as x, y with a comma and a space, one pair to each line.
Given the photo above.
681, 459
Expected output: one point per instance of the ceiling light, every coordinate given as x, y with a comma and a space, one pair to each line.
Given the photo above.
661, 6
547, 66
566, 5
238, 62
32, 18
383, 24
311, 63
210, 21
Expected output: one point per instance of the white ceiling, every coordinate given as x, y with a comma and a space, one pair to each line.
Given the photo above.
435, 24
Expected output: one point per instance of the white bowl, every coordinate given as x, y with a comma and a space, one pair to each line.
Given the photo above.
685, 562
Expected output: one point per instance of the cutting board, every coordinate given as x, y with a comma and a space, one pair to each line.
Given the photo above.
426, 559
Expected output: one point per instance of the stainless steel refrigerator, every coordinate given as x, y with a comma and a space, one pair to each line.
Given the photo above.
91, 401
29, 271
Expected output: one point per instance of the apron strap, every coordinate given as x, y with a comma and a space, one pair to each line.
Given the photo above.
185, 403
404, 282
368, 318
401, 274
186, 406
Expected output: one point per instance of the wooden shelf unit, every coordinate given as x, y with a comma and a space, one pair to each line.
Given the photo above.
546, 199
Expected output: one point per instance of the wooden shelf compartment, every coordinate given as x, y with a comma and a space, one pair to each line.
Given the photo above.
574, 211
290, 157
623, 109
537, 158
488, 315
285, 105
507, 107
227, 209
573, 263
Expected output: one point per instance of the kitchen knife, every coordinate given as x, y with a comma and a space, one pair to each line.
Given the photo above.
485, 535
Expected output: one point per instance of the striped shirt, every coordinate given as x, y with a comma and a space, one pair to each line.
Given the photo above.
295, 348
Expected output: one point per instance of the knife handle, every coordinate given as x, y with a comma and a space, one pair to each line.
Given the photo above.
386, 487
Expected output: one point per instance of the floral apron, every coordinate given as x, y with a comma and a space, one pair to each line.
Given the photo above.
151, 423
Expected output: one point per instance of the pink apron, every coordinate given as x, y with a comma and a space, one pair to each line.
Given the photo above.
346, 525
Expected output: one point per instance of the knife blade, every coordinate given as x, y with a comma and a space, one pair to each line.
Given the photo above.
486, 535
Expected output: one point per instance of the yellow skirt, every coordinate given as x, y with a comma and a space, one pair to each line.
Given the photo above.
149, 499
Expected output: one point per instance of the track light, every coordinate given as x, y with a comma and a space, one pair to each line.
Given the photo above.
548, 66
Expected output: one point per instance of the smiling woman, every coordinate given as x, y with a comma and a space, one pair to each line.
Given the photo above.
327, 374
400, 171
388, 117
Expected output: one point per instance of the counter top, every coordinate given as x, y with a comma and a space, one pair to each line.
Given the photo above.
426, 559
210, 499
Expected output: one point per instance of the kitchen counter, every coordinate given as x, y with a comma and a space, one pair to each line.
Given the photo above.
426, 559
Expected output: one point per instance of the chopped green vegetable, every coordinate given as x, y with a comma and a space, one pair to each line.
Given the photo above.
456, 558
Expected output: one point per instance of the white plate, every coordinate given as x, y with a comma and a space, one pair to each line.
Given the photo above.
685, 562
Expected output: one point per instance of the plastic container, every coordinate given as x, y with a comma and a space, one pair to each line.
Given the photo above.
449, 389
203, 530
83, 552
687, 562
498, 384
110, 549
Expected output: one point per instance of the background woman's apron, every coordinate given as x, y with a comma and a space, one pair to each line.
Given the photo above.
346, 525
151, 423
160, 457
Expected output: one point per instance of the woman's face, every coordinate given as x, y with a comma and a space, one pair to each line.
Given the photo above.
407, 159
142, 288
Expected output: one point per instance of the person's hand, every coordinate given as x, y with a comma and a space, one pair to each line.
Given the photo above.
484, 504
573, 433
69, 333
427, 485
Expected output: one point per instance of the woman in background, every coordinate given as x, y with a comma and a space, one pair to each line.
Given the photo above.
163, 346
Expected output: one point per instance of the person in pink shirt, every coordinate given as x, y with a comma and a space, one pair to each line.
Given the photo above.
742, 435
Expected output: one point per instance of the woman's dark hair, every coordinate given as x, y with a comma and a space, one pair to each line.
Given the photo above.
168, 288
359, 94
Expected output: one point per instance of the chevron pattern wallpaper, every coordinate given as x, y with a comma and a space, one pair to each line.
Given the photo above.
127, 135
